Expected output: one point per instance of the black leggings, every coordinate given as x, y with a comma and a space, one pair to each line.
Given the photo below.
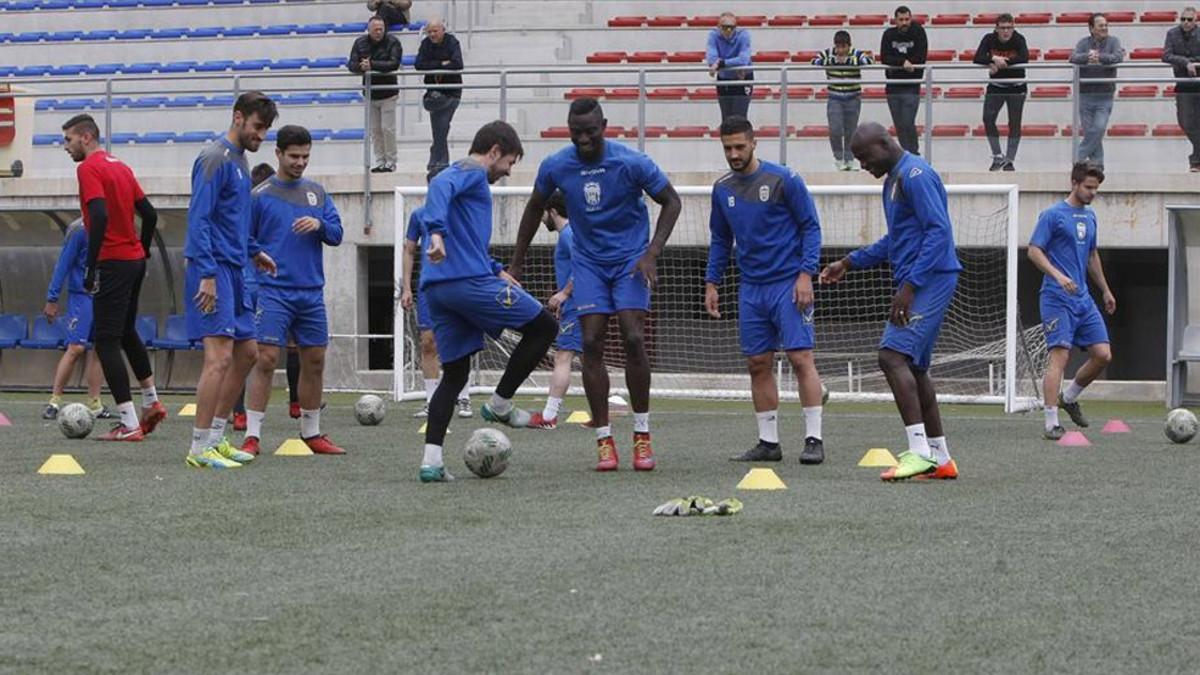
114, 322
993, 101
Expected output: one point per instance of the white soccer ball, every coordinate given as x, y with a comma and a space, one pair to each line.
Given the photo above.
369, 410
1181, 425
487, 452
75, 420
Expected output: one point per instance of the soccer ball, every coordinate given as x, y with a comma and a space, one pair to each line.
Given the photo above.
487, 452
75, 420
1181, 425
369, 410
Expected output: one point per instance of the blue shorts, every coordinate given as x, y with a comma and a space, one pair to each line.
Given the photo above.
292, 312
917, 338
78, 318
768, 320
606, 288
570, 334
423, 320
233, 316
462, 310
1070, 322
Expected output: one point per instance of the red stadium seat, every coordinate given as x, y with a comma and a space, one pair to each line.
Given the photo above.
1167, 131
1169, 91
1128, 130
1058, 54
607, 57
980, 132
794, 92
626, 21
985, 19
1034, 53
1051, 91
614, 131
1121, 17
804, 56
937, 91
966, 55
771, 56
759, 93
666, 21
1074, 17
874, 93
1146, 54
685, 57
922, 19
704, 21
1159, 17
964, 92
1138, 91
703, 94
772, 131
868, 19
687, 132
556, 132
787, 20
647, 57
1039, 130
920, 129
667, 93
813, 131
935, 55
584, 92
1033, 18
951, 130
951, 19
622, 93
827, 20
651, 132
751, 19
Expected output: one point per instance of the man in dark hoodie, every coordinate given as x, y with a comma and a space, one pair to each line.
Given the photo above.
1182, 51
376, 56
1000, 50
903, 48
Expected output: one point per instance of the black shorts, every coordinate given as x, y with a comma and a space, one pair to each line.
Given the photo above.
115, 305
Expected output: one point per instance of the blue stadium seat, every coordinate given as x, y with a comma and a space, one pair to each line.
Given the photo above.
347, 135
220, 101
78, 104
33, 71
320, 134
117, 102
175, 335
169, 33
46, 139
242, 31
45, 104
4, 36
12, 330
123, 3
272, 135
298, 98
104, 68
218, 66
69, 69
141, 67
89, 4
6, 71
289, 64
416, 25
191, 3
147, 328
46, 335
100, 35
148, 102
263, 2
64, 36
156, 137
29, 36
278, 29
56, 4
134, 34
157, 3
227, 2
195, 136
123, 137
352, 27
22, 5
190, 101
328, 62
252, 64
178, 67
206, 32
315, 28
408, 60
341, 97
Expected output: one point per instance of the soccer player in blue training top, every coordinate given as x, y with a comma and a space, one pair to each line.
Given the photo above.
614, 260
570, 337
766, 212
216, 306
919, 246
292, 219
72, 259
1063, 247
470, 294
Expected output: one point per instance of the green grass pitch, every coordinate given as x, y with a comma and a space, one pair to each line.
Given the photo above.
1039, 559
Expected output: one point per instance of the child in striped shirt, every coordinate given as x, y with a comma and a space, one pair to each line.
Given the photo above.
842, 64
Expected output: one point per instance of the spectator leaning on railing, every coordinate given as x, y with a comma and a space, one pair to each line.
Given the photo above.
904, 47
1000, 50
440, 51
1182, 51
843, 64
394, 12
1098, 54
728, 48
376, 56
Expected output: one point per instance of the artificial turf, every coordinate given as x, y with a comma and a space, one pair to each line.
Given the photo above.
1039, 559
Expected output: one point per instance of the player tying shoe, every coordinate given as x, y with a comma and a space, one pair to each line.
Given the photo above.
1063, 247
292, 219
613, 268
569, 340
69, 270
217, 247
470, 294
919, 246
764, 210
109, 195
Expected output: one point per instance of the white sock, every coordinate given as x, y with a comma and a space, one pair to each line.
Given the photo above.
812, 422
603, 432
1051, 417
1072, 392
149, 396
941, 452
465, 394
254, 420
641, 423
433, 455
501, 406
430, 387
217, 430
551, 410
199, 440
768, 425
916, 440
128, 414
310, 423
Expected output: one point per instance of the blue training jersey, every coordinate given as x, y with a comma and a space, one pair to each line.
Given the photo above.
563, 251
219, 211
459, 208
771, 217
605, 199
275, 205
1067, 234
920, 239
72, 259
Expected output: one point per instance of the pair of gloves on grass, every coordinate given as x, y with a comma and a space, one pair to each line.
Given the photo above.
699, 506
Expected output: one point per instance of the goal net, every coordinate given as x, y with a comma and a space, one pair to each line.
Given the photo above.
983, 354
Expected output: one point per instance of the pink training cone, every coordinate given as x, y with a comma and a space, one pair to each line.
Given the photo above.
1116, 427
4, 421
1074, 439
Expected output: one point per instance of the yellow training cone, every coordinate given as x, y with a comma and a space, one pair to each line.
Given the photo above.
423, 426
579, 417
877, 458
293, 447
761, 479
188, 410
61, 465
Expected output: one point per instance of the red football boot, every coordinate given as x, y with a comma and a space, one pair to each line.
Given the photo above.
294, 410
120, 433
250, 445
152, 415
643, 454
607, 449
321, 445
947, 471
536, 421
239, 421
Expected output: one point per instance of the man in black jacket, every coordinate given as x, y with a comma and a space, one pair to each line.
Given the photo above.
1182, 51
440, 51
376, 56
1000, 50
903, 48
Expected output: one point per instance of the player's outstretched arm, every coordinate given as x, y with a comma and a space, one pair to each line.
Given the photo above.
835, 271
1096, 273
1039, 259
530, 219
149, 216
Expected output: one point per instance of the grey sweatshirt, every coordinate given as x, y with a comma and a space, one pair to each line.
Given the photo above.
1110, 55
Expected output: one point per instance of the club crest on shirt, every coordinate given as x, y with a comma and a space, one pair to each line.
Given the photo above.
731, 201
591, 194
764, 193
1050, 325
312, 198
1080, 230
505, 297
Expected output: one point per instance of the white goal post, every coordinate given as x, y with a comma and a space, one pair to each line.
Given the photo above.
984, 354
